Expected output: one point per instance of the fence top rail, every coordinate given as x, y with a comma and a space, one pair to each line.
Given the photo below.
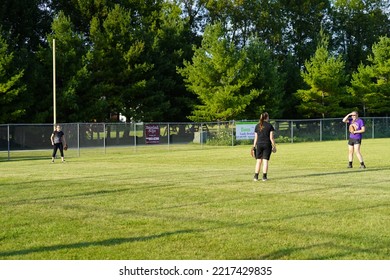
180, 123
310, 120
116, 123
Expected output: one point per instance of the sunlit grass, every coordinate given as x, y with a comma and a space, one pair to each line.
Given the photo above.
186, 202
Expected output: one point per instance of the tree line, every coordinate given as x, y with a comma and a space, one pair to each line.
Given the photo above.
193, 60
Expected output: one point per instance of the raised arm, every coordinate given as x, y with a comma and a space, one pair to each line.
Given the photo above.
346, 118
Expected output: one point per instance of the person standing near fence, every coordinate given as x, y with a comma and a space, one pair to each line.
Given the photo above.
356, 129
58, 141
263, 145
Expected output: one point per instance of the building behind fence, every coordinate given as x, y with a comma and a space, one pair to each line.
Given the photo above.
22, 137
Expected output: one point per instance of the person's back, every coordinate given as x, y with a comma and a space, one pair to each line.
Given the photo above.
264, 133
263, 145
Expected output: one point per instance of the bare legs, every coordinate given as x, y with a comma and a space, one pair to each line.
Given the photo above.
260, 162
258, 165
355, 149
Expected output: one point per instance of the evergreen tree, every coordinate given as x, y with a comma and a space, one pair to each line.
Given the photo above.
73, 103
221, 75
370, 85
324, 74
10, 86
167, 44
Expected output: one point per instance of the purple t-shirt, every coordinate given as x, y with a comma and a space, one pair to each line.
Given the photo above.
360, 124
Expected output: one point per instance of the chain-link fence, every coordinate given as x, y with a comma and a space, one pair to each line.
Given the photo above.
327, 129
29, 138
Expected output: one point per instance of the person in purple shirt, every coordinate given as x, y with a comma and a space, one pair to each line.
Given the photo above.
355, 137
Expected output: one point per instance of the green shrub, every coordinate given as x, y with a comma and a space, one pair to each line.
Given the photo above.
222, 138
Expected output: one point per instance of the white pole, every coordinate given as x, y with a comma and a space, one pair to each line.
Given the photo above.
54, 83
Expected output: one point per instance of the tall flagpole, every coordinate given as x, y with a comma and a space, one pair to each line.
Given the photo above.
54, 83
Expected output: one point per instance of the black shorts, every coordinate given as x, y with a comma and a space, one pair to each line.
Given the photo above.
353, 142
263, 151
58, 146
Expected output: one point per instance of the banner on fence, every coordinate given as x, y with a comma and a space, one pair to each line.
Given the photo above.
245, 130
152, 134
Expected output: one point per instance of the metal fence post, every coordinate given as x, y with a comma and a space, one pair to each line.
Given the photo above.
169, 135
233, 125
201, 135
8, 143
320, 130
292, 131
104, 137
78, 139
135, 134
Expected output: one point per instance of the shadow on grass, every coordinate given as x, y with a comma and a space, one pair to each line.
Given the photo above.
53, 198
49, 181
343, 252
335, 173
108, 242
96, 193
25, 158
286, 252
135, 188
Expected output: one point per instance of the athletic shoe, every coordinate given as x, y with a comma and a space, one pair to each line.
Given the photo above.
255, 178
52, 161
362, 166
349, 166
265, 179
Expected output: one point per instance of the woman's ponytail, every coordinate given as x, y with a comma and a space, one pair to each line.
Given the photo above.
263, 117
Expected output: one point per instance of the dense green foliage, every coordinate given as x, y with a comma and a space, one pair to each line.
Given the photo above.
122, 57
325, 76
226, 79
371, 83
128, 205
10, 86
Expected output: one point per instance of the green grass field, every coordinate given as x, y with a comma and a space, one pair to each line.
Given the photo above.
188, 203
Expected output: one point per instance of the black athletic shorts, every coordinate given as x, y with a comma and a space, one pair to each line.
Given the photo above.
263, 151
352, 142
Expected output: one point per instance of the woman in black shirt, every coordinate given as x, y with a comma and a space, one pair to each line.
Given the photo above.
58, 141
263, 145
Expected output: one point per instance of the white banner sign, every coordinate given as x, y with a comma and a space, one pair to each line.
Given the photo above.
245, 130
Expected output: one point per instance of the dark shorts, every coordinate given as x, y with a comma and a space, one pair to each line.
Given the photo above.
263, 151
58, 146
353, 142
